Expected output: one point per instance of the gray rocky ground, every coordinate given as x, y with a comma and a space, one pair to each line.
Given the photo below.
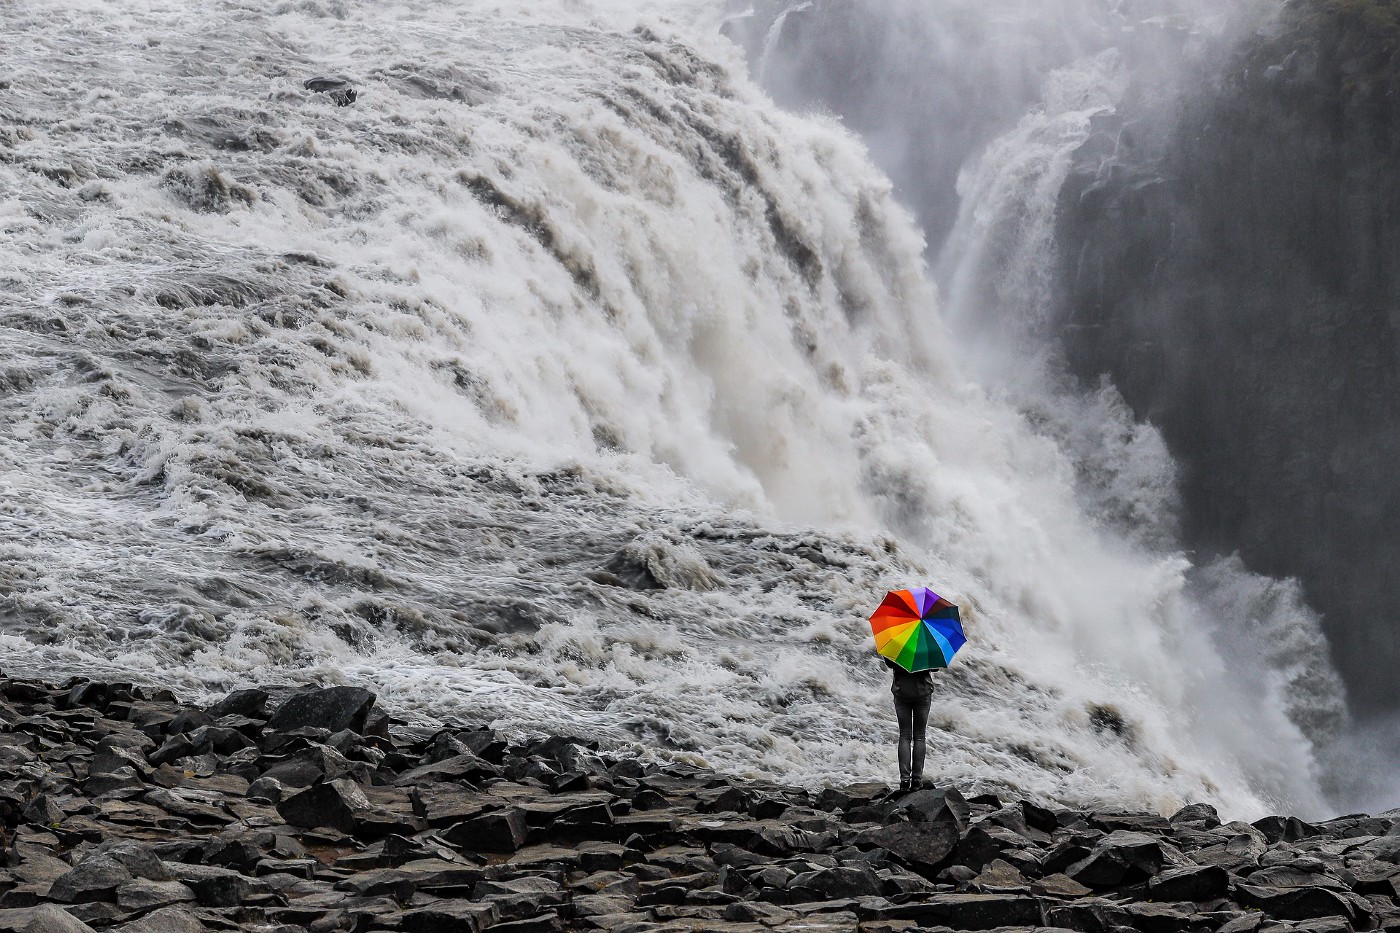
126, 810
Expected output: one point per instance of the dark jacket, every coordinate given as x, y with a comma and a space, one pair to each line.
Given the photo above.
907, 686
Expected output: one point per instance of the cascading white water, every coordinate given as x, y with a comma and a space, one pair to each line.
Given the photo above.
561, 381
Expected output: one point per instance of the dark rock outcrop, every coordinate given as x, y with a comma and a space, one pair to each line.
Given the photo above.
462, 830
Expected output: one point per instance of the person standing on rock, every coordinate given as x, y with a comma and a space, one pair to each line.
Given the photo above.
916, 632
913, 695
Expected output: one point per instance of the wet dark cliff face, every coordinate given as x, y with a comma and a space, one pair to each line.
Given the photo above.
1235, 268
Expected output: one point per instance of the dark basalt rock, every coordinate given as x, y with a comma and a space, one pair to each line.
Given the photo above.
165, 920
331, 708
337, 89
457, 829
250, 703
1298, 903
1123, 857
923, 847
928, 806
44, 918
339, 804
503, 831
95, 879
1189, 883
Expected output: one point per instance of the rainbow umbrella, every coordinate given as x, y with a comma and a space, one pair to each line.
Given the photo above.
917, 629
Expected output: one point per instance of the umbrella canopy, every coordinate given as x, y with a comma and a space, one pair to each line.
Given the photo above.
917, 629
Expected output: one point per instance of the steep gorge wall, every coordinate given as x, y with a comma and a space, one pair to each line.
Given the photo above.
1232, 262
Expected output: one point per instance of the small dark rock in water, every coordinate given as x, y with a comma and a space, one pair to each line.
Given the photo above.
339, 89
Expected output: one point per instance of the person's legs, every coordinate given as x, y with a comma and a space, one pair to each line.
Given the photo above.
904, 712
918, 714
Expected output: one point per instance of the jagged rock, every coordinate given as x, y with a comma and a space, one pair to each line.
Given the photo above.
835, 883
850, 795
165, 920
1059, 885
116, 780
1013, 818
238, 853
729, 800
450, 917
547, 922
174, 748
1088, 915
188, 804
221, 739
1283, 829
1195, 814
503, 831
921, 846
444, 804
43, 810
143, 895
95, 879
960, 911
1000, 877
522, 898
313, 764
569, 815
251, 703
137, 857
44, 918
1245, 923
697, 855
1377, 877
1288, 876
35, 866
213, 886
339, 804
331, 708
932, 805
188, 720
1159, 918
267, 788
1189, 883
113, 753
1124, 857
1299, 903
465, 766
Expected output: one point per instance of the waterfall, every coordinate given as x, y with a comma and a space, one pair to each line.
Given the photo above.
565, 381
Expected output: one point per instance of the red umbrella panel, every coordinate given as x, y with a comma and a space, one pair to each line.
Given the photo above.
917, 629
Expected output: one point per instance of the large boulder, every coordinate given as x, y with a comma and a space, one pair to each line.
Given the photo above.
1124, 857
829, 884
1189, 883
502, 831
95, 879
931, 806
923, 847
251, 703
46, 918
332, 708
960, 911
339, 804
1297, 903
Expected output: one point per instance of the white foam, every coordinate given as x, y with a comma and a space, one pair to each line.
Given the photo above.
379, 395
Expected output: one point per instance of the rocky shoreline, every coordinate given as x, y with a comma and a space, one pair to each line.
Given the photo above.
288, 810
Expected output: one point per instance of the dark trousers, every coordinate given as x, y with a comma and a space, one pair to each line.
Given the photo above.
913, 724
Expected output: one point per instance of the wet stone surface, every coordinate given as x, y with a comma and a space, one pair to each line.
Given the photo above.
283, 811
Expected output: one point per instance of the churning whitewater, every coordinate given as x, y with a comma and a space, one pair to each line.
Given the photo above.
563, 381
